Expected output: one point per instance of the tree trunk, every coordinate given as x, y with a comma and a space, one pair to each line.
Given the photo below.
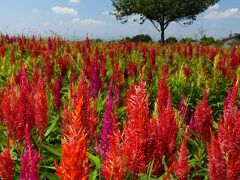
162, 33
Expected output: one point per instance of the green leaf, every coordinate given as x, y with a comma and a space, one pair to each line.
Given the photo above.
150, 168
94, 175
142, 176
52, 126
51, 176
54, 149
95, 160
121, 110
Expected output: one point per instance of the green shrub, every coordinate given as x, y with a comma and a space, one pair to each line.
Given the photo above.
171, 40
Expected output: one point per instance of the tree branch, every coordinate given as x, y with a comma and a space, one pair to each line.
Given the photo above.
155, 26
166, 24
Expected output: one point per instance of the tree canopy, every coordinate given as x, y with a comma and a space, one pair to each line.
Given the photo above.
161, 12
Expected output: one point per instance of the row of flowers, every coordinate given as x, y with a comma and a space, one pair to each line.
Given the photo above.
67, 79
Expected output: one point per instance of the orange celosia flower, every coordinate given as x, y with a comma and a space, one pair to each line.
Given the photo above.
112, 166
74, 161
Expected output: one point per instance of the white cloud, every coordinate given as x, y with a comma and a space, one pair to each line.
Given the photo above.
46, 24
87, 21
214, 7
64, 10
35, 11
74, 1
105, 13
222, 14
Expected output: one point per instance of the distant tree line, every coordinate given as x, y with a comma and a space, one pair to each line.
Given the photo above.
205, 40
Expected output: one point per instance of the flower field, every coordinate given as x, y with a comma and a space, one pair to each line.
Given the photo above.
118, 110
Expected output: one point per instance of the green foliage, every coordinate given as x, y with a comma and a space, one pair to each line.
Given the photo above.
142, 38
207, 40
171, 40
186, 40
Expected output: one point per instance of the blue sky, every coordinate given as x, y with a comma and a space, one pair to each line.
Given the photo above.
76, 18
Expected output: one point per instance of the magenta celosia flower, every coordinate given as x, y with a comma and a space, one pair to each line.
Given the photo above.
95, 80
107, 125
183, 110
30, 159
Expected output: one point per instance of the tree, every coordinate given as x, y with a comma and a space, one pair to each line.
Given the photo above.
161, 12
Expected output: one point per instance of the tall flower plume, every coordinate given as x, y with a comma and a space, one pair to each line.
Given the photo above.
224, 152
107, 125
112, 166
136, 128
74, 160
216, 161
182, 168
95, 80
6, 164
88, 113
164, 141
30, 159
183, 110
17, 106
40, 106
203, 120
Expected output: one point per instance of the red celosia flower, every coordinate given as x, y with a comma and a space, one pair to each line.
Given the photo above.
74, 160
8, 106
164, 141
40, 106
88, 113
63, 64
224, 152
165, 136
17, 106
216, 161
136, 128
2, 93
203, 120
6, 164
182, 168
48, 68
163, 93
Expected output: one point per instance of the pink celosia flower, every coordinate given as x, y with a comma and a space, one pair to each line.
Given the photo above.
30, 159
